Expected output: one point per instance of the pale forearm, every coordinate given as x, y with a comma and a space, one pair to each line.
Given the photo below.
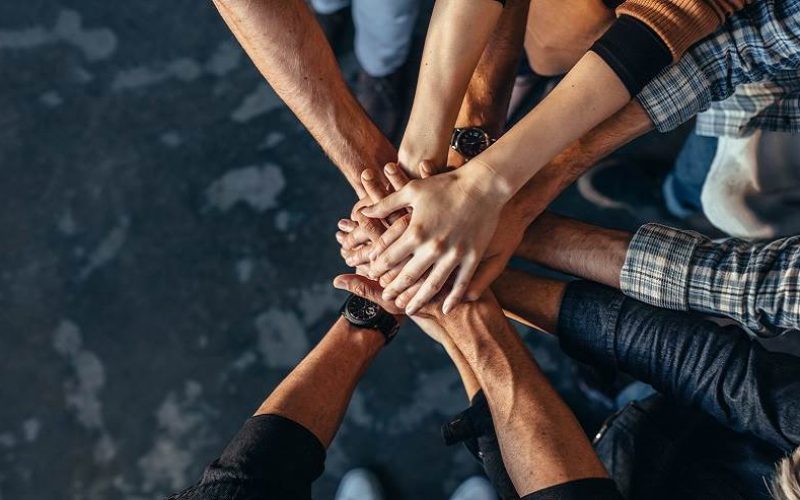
590, 93
288, 47
316, 393
486, 100
457, 35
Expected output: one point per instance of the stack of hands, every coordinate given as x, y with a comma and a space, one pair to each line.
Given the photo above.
417, 237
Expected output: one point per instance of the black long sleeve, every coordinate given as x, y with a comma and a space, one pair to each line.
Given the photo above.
271, 457
718, 370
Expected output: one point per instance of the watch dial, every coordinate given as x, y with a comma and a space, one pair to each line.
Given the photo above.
362, 310
472, 142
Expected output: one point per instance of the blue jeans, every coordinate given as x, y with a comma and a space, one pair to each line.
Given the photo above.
683, 186
384, 31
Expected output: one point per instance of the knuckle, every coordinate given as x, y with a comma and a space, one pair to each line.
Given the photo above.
406, 279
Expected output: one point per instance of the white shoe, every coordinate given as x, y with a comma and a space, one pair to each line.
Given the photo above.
359, 484
475, 488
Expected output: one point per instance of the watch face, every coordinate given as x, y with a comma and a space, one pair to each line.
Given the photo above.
472, 142
361, 310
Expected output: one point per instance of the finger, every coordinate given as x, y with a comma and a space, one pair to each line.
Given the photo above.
463, 278
365, 288
362, 271
357, 257
397, 252
396, 176
411, 273
389, 204
372, 185
426, 169
487, 272
436, 280
404, 298
391, 274
389, 236
354, 239
372, 228
346, 225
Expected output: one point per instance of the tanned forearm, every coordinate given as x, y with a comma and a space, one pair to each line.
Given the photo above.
289, 48
577, 248
316, 393
486, 100
541, 441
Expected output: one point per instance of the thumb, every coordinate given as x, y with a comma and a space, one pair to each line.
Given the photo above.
386, 206
366, 289
487, 272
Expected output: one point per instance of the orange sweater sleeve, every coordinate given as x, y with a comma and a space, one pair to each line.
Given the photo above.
681, 23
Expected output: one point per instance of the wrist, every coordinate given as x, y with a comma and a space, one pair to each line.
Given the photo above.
366, 341
483, 178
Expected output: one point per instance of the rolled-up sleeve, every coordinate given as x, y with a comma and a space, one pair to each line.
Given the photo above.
755, 284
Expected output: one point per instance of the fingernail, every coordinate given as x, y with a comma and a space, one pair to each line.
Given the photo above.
390, 169
367, 174
412, 309
338, 283
400, 303
446, 307
344, 224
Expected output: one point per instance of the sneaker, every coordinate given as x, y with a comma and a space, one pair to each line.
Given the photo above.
359, 484
622, 184
475, 488
382, 98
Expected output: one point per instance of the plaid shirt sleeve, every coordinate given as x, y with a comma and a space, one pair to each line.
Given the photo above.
760, 43
756, 284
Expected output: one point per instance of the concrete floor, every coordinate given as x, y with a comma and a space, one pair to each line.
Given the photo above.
166, 248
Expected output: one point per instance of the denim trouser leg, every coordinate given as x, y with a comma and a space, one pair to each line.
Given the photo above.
684, 185
328, 6
384, 29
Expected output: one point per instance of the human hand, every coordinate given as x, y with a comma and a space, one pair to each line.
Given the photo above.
454, 216
365, 288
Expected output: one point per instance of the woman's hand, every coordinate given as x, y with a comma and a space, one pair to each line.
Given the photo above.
454, 216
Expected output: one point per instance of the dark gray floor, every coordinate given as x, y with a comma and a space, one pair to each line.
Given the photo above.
166, 248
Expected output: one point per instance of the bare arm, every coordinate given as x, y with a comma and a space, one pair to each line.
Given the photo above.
541, 441
288, 47
576, 248
457, 35
486, 101
316, 393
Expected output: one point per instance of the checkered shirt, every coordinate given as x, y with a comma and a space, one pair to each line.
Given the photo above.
755, 284
754, 57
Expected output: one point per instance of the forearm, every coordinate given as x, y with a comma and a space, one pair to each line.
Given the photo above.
486, 100
289, 49
457, 35
541, 442
624, 126
590, 93
576, 248
316, 393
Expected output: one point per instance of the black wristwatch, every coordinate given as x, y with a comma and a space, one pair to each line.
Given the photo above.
363, 313
469, 142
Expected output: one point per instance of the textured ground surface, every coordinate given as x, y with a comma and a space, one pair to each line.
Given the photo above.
166, 245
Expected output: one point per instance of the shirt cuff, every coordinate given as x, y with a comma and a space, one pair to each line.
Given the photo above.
585, 308
657, 266
633, 51
270, 449
596, 488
